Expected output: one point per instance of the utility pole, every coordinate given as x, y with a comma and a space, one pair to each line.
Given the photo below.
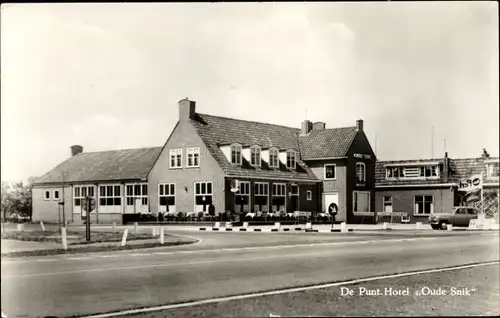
64, 210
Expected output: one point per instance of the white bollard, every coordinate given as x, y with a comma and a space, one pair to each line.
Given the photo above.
308, 225
162, 235
124, 238
449, 227
217, 225
43, 226
343, 227
154, 231
419, 225
20, 227
114, 226
64, 238
384, 225
277, 225
245, 225
135, 227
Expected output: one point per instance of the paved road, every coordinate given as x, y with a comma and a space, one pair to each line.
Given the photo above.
224, 264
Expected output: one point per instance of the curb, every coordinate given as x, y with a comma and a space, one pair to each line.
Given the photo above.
243, 230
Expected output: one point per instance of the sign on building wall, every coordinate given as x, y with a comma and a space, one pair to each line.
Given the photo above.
362, 156
470, 184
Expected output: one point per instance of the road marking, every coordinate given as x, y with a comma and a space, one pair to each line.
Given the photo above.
285, 291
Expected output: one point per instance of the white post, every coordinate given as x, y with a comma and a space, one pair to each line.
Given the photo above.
384, 225
124, 238
64, 238
449, 227
154, 231
217, 225
343, 227
419, 224
162, 235
135, 227
277, 225
114, 226
245, 225
20, 227
308, 225
43, 226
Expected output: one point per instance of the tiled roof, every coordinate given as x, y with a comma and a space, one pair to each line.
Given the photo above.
216, 131
463, 168
458, 169
328, 143
128, 164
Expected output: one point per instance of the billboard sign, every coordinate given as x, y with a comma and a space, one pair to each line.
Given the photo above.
473, 183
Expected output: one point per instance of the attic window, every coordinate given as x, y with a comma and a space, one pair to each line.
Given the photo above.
290, 159
236, 154
255, 156
273, 158
493, 170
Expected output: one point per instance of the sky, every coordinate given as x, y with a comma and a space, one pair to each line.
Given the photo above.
109, 75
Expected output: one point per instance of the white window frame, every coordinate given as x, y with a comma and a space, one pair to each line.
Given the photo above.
383, 202
45, 196
265, 193
166, 186
136, 194
274, 157
363, 165
107, 195
206, 194
54, 195
490, 167
308, 195
194, 152
244, 191
423, 200
334, 171
357, 194
177, 156
291, 155
237, 149
401, 171
255, 152
282, 190
81, 196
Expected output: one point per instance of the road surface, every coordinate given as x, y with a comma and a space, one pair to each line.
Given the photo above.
225, 264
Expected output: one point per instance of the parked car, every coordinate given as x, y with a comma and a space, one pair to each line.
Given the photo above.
459, 216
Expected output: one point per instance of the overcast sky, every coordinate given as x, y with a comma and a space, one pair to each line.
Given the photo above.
109, 76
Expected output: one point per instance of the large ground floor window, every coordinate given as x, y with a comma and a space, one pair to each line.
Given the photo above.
136, 198
202, 196
424, 205
361, 201
110, 200
166, 197
278, 201
261, 197
79, 194
242, 198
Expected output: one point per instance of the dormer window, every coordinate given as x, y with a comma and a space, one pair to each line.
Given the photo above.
492, 169
255, 156
236, 154
290, 159
274, 161
413, 172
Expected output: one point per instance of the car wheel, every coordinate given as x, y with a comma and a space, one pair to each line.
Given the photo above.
435, 226
443, 225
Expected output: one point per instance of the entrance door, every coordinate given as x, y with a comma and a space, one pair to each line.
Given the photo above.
329, 199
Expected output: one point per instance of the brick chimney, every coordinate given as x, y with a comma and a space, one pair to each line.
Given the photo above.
76, 149
187, 109
306, 127
445, 167
359, 125
485, 154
